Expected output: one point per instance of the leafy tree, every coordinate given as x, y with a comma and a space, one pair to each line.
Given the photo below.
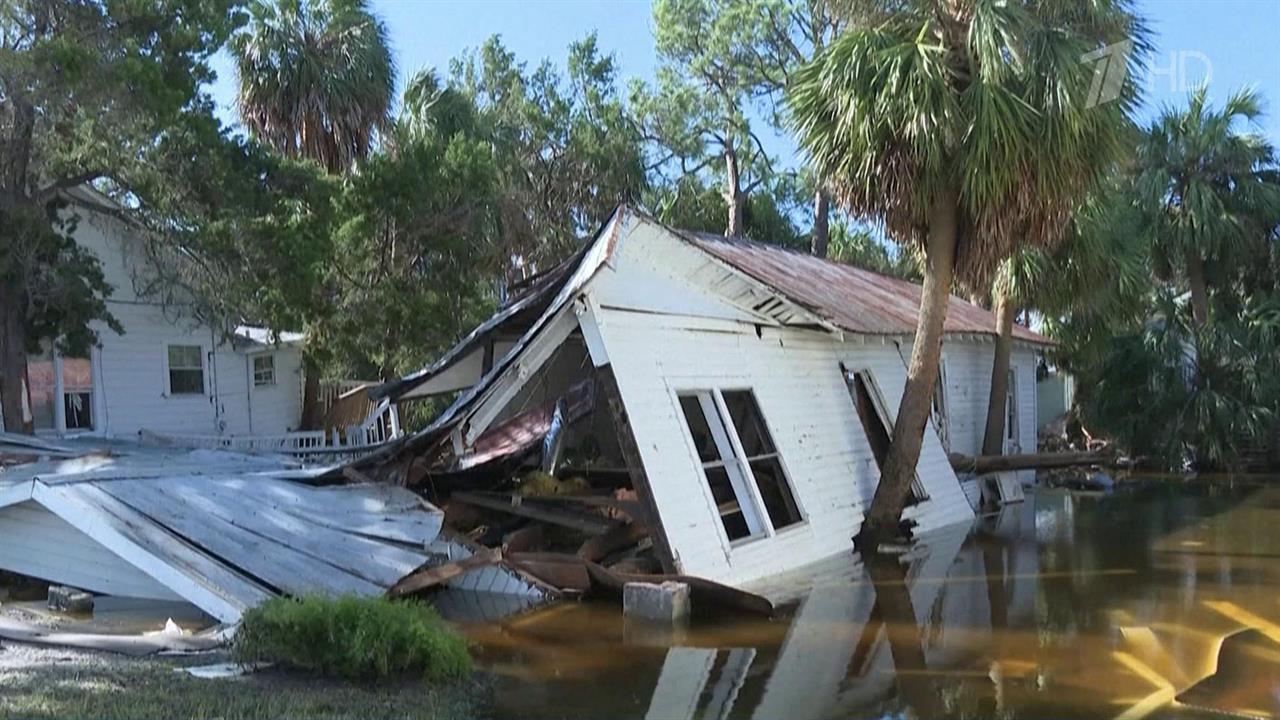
691, 204
316, 78
418, 223
791, 33
965, 128
855, 246
87, 88
697, 114
566, 150
1210, 192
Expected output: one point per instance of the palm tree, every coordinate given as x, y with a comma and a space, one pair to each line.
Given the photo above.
315, 81
1098, 275
966, 128
315, 78
1210, 192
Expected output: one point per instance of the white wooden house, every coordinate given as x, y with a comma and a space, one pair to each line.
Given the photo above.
166, 373
752, 389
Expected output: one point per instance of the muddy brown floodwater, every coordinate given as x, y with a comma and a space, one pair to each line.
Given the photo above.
1160, 600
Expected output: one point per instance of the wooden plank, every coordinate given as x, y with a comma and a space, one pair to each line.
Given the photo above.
701, 590
186, 570
196, 519
432, 576
15, 492
526, 507
565, 572
378, 562
635, 466
621, 536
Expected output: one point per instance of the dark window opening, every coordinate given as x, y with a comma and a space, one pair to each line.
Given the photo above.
877, 431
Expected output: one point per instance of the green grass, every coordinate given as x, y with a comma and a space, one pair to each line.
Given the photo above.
151, 690
353, 637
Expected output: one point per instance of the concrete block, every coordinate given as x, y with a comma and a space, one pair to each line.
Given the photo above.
667, 602
69, 599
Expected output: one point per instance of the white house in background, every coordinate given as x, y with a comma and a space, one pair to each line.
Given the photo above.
165, 374
753, 390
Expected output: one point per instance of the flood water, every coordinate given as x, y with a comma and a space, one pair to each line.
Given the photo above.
1160, 600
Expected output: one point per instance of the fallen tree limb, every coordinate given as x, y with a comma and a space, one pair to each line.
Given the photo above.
1029, 461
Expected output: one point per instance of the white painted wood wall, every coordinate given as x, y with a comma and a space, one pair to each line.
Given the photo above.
664, 333
130, 369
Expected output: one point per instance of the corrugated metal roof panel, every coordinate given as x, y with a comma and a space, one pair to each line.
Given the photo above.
851, 298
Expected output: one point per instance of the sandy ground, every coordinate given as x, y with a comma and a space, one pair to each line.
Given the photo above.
56, 682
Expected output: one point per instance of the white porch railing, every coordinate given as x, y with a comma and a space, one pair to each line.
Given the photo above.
380, 426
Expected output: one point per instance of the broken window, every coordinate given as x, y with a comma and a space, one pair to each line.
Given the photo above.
1011, 414
877, 425
940, 420
738, 474
762, 458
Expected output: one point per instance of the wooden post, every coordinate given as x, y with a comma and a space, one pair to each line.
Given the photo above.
635, 467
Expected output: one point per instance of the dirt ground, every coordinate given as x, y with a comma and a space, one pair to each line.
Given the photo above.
54, 682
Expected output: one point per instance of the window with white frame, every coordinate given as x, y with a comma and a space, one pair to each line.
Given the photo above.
264, 370
941, 422
740, 462
186, 370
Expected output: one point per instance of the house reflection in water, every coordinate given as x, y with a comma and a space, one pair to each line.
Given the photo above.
1065, 606
864, 637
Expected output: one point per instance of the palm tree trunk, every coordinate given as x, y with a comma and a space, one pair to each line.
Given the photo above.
13, 359
993, 438
1199, 289
882, 521
821, 236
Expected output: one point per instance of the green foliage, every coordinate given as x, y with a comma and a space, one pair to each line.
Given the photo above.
316, 78
414, 249
987, 101
353, 637
1190, 397
856, 246
87, 91
565, 149
688, 204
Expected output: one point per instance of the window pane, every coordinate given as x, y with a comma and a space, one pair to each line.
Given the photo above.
41, 387
184, 357
735, 523
702, 438
746, 417
79, 410
186, 381
775, 492
264, 369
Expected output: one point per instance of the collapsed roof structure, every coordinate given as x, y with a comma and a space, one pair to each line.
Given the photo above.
697, 404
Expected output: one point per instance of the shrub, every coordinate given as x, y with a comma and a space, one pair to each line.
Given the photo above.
353, 637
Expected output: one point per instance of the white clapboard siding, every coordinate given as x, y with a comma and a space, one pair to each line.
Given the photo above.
37, 543
659, 348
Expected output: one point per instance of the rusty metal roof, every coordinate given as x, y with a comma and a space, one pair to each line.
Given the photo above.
849, 297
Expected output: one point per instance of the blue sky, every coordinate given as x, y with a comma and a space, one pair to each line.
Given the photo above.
1234, 42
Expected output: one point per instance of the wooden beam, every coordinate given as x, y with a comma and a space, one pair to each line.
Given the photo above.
425, 578
1029, 461
621, 536
635, 467
527, 507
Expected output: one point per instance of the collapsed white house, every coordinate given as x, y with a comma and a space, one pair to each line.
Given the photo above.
743, 393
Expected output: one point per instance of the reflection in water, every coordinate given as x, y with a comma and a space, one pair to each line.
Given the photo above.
1063, 607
